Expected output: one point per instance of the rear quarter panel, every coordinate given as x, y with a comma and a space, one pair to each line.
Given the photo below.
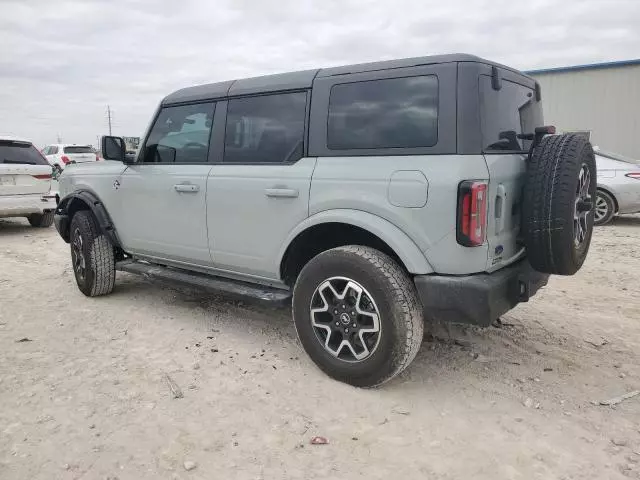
363, 184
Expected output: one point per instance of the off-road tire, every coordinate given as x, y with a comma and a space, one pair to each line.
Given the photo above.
39, 220
100, 274
611, 208
550, 200
401, 318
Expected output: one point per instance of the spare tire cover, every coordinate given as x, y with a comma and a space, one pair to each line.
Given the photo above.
558, 203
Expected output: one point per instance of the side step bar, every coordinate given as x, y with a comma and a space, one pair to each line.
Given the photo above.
207, 282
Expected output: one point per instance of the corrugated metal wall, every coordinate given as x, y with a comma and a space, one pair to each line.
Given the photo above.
605, 101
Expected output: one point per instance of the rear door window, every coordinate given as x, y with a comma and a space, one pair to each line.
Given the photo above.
386, 113
506, 113
265, 129
20, 153
78, 149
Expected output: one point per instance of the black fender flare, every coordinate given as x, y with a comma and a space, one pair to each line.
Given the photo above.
83, 200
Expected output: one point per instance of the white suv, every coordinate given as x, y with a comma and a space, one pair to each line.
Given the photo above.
25, 183
60, 155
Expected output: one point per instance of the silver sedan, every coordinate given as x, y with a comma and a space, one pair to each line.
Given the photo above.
618, 186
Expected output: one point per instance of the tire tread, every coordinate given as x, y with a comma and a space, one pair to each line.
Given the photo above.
101, 259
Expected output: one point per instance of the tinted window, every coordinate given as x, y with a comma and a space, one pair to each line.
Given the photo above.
78, 149
53, 150
180, 135
391, 113
506, 113
20, 153
265, 129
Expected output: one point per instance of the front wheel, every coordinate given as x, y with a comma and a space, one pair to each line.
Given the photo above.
92, 256
605, 208
357, 315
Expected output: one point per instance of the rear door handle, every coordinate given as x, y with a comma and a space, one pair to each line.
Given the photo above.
281, 192
186, 188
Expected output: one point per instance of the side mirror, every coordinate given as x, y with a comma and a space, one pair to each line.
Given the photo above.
113, 148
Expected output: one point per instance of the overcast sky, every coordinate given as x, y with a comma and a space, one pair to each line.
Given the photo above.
62, 62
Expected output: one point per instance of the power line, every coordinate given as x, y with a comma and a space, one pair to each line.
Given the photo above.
109, 115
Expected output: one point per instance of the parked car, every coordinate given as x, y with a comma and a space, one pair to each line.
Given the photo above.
618, 186
368, 195
25, 182
60, 155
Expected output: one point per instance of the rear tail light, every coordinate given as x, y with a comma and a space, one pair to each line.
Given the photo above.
97, 158
635, 175
472, 213
65, 159
42, 177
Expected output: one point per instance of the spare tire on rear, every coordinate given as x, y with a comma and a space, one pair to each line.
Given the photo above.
559, 198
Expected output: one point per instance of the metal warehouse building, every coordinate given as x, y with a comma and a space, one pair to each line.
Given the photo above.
601, 98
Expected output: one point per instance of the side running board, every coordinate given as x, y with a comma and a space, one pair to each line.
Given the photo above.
221, 285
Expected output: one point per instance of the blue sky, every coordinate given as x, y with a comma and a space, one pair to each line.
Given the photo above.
62, 62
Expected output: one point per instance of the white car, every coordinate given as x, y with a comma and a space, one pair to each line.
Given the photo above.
618, 186
25, 183
61, 154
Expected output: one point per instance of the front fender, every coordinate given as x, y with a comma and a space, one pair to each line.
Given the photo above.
82, 200
408, 252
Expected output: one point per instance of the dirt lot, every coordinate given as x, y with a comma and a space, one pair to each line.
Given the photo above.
86, 395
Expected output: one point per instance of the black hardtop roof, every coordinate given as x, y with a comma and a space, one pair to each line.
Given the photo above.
304, 79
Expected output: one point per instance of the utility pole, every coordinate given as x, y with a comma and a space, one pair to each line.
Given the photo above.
59, 139
109, 115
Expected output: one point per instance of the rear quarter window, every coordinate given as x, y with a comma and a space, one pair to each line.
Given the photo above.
386, 113
24, 153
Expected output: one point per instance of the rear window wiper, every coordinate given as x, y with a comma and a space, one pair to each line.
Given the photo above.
539, 132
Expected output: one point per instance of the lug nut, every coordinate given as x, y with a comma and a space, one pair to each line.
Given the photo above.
337, 324
346, 330
335, 311
353, 313
354, 325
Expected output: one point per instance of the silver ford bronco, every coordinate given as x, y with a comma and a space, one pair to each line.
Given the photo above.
372, 197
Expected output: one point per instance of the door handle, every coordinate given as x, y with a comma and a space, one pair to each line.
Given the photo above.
500, 208
186, 188
281, 192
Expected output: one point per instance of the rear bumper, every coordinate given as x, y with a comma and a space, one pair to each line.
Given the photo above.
23, 205
478, 299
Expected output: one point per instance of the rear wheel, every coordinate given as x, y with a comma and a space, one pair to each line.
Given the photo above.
605, 208
92, 256
43, 220
357, 315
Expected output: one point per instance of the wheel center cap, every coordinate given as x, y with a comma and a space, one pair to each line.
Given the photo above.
345, 318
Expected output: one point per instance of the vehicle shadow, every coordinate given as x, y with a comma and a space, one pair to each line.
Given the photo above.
451, 356
15, 226
626, 220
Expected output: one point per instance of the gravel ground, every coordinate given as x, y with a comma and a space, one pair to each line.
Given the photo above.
84, 394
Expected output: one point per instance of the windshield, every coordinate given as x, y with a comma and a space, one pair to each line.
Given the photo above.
616, 156
20, 153
506, 113
78, 149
